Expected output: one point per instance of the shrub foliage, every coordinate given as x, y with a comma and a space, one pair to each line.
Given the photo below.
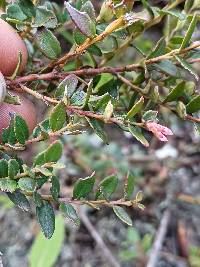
85, 86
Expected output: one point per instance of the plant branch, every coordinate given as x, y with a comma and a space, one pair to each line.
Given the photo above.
92, 203
95, 71
147, 25
139, 90
88, 42
74, 109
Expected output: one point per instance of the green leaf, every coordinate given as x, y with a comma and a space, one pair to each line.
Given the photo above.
51, 247
27, 184
46, 219
48, 43
55, 187
129, 186
176, 92
14, 11
20, 200
89, 9
70, 212
58, 117
154, 94
45, 17
79, 38
137, 133
108, 112
97, 126
175, 13
95, 50
167, 67
78, 98
122, 215
189, 88
106, 12
83, 187
188, 5
194, 105
148, 7
12, 99
52, 154
41, 181
107, 187
8, 185
181, 110
3, 168
136, 108
159, 49
8, 135
189, 32
17, 131
68, 86
187, 67
27, 7
21, 129
3, 4
103, 80
82, 21
13, 168
150, 115
46, 172
37, 199
177, 40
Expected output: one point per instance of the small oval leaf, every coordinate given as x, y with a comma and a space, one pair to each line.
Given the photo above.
82, 21
122, 215
46, 219
48, 43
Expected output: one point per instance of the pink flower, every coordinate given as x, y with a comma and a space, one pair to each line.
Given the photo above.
159, 131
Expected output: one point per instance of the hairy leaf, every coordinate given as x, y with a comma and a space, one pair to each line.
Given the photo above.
83, 187
46, 219
122, 215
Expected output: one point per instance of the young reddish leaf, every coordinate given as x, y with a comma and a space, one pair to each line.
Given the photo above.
82, 21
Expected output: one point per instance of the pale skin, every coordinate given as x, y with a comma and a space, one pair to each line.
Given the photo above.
10, 46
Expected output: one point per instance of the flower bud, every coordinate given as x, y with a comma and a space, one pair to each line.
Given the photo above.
106, 12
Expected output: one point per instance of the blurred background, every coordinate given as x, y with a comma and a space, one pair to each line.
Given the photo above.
167, 174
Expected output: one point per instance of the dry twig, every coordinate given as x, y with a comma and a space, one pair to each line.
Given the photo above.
158, 242
107, 254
